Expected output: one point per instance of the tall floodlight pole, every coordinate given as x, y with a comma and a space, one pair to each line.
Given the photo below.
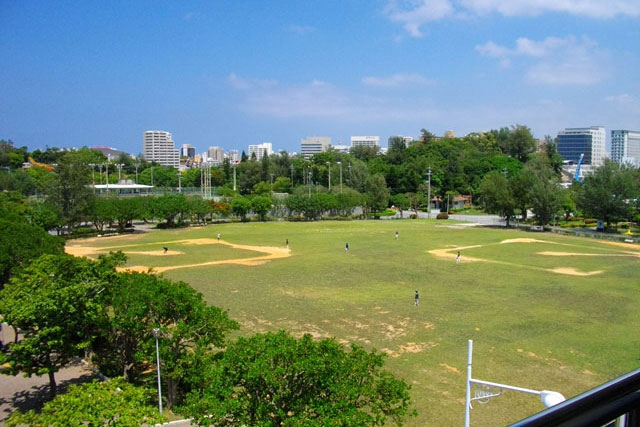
108, 159
292, 176
429, 195
235, 165
329, 165
340, 164
179, 181
119, 166
486, 390
309, 182
156, 332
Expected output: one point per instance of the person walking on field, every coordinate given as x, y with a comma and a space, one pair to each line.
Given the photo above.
396, 235
287, 243
458, 258
346, 247
165, 249
218, 237
417, 299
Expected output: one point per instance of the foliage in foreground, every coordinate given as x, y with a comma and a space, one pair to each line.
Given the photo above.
115, 402
273, 379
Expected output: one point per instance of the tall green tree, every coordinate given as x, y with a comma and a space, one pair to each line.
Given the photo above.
520, 143
377, 193
496, 195
71, 190
241, 206
608, 193
274, 379
261, 205
55, 302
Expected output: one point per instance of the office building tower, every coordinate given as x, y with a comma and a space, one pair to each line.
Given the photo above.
625, 147
233, 156
314, 145
188, 151
573, 142
216, 155
158, 146
367, 141
260, 150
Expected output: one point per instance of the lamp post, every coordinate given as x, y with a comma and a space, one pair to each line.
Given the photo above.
487, 390
329, 165
429, 195
340, 164
156, 332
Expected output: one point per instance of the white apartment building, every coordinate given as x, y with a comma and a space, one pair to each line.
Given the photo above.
367, 141
340, 148
158, 146
313, 145
591, 141
260, 150
625, 147
216, 155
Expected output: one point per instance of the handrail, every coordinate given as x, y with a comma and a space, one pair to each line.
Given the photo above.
595, 407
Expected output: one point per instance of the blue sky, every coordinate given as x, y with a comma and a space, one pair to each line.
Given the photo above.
234, 73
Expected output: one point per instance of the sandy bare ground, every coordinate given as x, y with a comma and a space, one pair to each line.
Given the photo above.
271, 252
623, 245
450, 253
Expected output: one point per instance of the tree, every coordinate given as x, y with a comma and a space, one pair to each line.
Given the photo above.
377, 193
168, 206
520, 185
496, 196
607, 193
273, 379
401, 202
70, 191
55, 303
102, 211
114, 402
241, 207
261, 205
520, 143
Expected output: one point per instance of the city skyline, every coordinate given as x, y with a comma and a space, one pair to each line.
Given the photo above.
230, 75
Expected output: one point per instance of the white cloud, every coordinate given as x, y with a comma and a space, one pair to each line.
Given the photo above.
557, 61
242, 83
396, 80
413, 14
321, 100
301, 29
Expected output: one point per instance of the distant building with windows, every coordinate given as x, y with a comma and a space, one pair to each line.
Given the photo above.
625, 147
260, 150
188, 151
573, 142
366, 141
314, 145
216, 155
158, 146
340, 148
408, 140
233, 156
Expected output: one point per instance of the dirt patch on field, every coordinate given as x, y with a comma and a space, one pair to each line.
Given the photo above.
451, 253
573, 272
156, 253
272, 252
524, 240
410, 347
551, 253
450, 368
623, 245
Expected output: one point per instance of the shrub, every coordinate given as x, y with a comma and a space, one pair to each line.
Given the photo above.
590, 221
442, 215
413, 216
452, 211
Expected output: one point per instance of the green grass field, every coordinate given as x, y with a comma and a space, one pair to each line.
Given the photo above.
531, 327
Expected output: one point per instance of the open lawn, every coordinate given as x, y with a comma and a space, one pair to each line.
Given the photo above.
544, 311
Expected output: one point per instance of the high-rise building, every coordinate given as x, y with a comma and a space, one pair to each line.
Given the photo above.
573, 142
216, 155
188, 151
625, 147
158, 146
367, 141
313, 145
408, 140
260, 150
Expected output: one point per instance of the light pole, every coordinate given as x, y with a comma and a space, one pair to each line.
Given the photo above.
429, 195
309, 182
329, 165
108, 160
179, 181
119, 166
235, 165
156, 332
340, 164
487, 390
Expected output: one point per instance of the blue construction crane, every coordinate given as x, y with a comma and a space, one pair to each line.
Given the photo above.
576, 177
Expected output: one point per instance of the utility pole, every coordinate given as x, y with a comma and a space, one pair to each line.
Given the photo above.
329, 165
119, 166
235, 165
340, 164
179, 181
429, 195
309, 182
